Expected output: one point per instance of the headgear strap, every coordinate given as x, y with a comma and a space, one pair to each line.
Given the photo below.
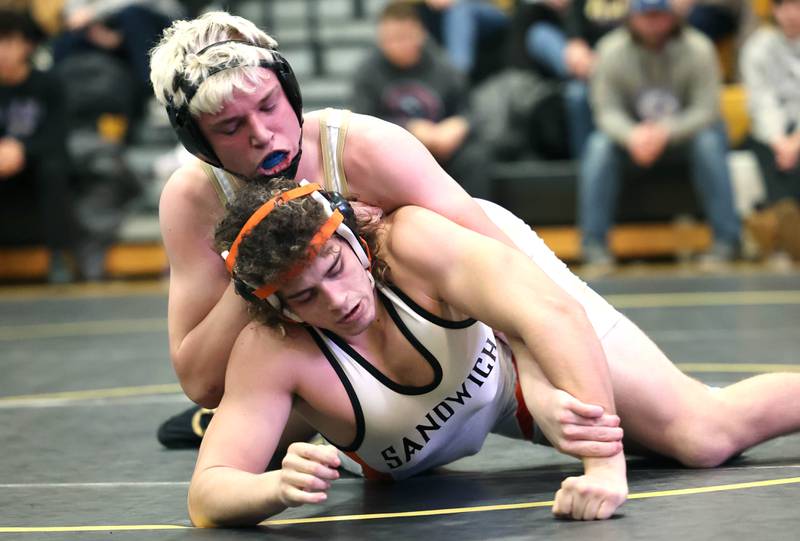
315, 245
261, 213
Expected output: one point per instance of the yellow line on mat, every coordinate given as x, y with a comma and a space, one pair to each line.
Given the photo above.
405, 514
11, 333
707, 298
115, 528
83, 291
94, 394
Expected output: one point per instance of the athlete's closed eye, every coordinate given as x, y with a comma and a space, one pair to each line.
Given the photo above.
305, 295
229, 128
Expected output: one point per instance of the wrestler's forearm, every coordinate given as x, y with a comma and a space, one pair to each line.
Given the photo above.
201, 358
565, 346
224, 496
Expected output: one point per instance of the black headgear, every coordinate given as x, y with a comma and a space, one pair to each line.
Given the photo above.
338, 202
186, 127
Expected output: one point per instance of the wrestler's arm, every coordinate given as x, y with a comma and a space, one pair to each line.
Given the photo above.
204, 314
503, 288
229, 486
389, 168
500, 286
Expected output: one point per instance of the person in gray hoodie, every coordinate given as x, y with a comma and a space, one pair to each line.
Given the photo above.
771, 71
655, 98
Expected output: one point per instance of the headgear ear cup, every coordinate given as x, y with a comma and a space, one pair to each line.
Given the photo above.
189, 134
338, 202
348, 230
184, 124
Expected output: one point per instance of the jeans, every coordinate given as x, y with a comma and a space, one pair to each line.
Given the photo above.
464, 24
546, 43
778, 184
600, 180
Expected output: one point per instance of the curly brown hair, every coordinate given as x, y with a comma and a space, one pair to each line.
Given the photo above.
280, 241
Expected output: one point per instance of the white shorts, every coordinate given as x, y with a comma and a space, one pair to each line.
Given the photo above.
601, 314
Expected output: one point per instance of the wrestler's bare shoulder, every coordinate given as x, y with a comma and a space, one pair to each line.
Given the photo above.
362, 129
189, 186
292, 340
260, 349
412, 220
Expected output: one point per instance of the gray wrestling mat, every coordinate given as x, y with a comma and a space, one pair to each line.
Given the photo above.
86, 381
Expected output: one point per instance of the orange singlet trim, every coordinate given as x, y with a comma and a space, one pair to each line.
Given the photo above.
367, 470
523, 414
262, 213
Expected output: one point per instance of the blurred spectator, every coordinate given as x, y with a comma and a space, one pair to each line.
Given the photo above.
557, 37
719, 19
408, 81
32, 128
463, 27
655, 95
727, 23
770, 65
46, 14
127, 29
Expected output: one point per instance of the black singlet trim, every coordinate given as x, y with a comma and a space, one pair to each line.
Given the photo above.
433, 318
377, 374
351, 393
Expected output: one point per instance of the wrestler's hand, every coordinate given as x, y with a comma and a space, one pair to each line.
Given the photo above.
306, 473
579, 429
594, 495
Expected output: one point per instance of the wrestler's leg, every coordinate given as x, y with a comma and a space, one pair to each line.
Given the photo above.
663, 409
672, 414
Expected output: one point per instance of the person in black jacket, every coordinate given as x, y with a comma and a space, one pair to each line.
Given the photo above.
408, 81
33, 157
557, 38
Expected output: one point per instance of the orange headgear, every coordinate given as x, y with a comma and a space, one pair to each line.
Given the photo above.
334, 224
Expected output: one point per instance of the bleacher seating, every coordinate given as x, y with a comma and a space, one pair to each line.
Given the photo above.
543, 193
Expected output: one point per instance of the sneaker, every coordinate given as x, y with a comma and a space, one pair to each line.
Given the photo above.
718, 256
597, 259
788, 212
60, 271
185, 430
91, 257
779, 261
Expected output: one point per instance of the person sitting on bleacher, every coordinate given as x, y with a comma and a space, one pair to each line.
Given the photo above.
463, 27
558, 38
655, 97
407, 80
719, 19
125, 29
770, 68
33, 157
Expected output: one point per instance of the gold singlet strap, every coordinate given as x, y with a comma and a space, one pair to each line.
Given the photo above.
333, 126
225, 184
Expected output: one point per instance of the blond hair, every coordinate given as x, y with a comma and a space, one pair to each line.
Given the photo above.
182, 53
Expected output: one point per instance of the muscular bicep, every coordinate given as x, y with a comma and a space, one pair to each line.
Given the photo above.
248, 423
391, 169
479, 276
197, 275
